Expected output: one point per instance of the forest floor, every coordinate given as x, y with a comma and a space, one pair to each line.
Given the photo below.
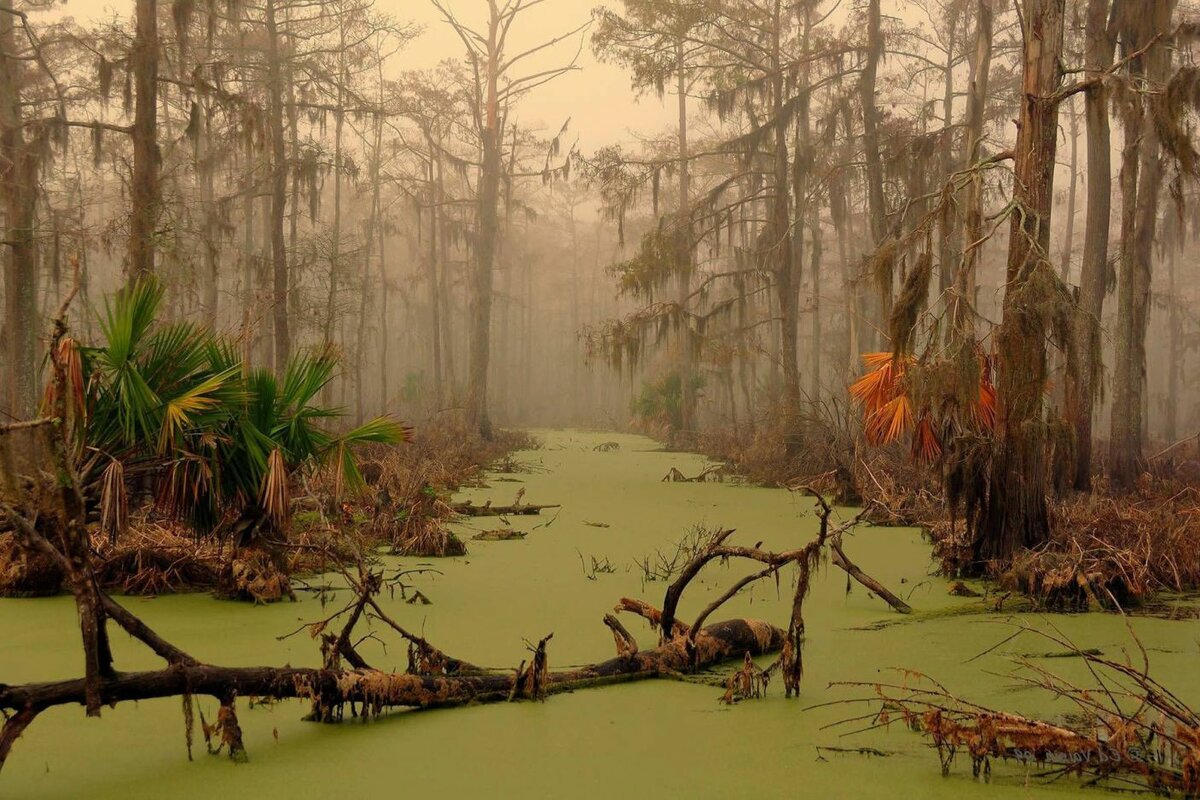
617, 530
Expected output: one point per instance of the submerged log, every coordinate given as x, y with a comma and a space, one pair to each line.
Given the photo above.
500, 535
469, 509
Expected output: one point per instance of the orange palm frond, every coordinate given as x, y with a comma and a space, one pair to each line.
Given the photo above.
881, 383
926, 445
870, 390
983, 412
890, 421
876, 360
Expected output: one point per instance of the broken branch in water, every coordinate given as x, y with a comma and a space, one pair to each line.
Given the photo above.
714, 473
671, 630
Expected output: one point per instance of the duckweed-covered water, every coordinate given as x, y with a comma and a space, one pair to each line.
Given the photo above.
655, 739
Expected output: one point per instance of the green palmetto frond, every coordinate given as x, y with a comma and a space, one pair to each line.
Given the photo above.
124, 411
129, 318
184, 411
306, 375
381, 430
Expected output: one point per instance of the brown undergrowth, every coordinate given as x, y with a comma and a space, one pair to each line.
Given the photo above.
1106, 548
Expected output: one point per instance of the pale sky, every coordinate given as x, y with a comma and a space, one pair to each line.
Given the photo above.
597, 98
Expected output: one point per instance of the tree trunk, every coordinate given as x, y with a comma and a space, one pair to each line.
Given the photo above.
963, 301
947, 233
1176, 353
1015, 514
145, 190
1141, 180
373, 222
477, 418
876, 204
781, 242
250, 323
1084, 370
815, 271
1068, 247
18, 179
435, 292
279, 175
212, 238
687, 354
293, 122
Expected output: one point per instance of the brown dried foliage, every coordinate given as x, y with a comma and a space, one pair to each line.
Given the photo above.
1128, 732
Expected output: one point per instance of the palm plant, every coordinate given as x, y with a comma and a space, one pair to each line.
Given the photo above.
173, 404
900, 394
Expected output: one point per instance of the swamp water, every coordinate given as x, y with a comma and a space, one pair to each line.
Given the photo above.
654, 739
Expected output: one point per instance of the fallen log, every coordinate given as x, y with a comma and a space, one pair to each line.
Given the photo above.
469, 509
329, 690
853, 570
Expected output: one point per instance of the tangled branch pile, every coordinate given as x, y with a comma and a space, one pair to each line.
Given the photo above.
1129, 730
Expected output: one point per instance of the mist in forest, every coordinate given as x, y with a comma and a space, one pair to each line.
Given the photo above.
681, 216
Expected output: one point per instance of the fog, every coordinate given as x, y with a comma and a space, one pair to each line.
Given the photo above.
327, 176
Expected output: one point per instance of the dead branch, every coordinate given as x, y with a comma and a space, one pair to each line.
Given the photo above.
1130, 729
714, 473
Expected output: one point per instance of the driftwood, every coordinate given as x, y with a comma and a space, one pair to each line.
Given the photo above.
330, 689
805, 559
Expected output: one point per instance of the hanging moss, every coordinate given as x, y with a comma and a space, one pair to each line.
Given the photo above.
104, 77
907, 311
181, 14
